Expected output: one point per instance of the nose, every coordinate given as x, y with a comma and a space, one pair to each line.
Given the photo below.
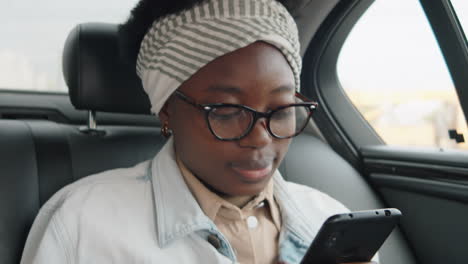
258, 136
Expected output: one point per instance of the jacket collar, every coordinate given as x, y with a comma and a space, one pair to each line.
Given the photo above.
178, 214
294, 220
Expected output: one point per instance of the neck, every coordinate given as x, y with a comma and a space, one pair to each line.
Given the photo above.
239, 201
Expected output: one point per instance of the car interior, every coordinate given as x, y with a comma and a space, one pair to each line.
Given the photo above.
49, 140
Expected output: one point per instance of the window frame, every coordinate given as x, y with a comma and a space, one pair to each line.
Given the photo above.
452, 42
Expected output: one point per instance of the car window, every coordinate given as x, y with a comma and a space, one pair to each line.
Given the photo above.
33, 34
461, 8
393, 71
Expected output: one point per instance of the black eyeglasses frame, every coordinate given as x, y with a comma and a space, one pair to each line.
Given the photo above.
207, 108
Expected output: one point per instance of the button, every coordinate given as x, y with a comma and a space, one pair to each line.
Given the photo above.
260, 205
214, 241
252, 222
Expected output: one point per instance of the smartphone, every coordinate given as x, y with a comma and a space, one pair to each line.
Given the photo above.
352, 237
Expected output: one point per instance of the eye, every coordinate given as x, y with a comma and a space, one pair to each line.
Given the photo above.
226, 113
285, 113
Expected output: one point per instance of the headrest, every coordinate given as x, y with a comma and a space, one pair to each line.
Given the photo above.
96, 74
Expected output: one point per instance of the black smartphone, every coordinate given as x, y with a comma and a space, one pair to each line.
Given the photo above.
352, 237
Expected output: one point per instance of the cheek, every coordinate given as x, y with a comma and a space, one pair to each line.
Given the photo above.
189, 134
194, 143
282, 146
205, 157
185, 121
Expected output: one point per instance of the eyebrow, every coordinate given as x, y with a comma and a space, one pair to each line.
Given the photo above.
283, 88
225, 89
236, 90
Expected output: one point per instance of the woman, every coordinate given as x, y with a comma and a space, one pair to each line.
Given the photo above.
222, 75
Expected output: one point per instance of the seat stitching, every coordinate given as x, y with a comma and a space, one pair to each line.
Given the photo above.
37, 164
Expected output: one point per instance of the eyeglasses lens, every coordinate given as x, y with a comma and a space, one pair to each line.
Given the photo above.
289, 121
229, 122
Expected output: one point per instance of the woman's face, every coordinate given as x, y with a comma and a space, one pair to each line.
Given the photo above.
257, 76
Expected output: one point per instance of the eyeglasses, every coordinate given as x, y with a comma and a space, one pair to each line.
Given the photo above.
230, 122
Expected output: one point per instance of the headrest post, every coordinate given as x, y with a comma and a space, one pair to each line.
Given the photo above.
92, 125
91, 128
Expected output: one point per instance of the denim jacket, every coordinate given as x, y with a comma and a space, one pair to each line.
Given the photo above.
146, 214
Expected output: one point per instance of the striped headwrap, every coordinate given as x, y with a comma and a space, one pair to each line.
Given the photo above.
178, 45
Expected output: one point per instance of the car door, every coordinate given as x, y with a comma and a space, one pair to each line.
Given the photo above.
391, 79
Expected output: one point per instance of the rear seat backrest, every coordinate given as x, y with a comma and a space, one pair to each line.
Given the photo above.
120, 147
37, 158
19, 188
65, 154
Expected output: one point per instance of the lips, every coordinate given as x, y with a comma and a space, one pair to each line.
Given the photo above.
253, 171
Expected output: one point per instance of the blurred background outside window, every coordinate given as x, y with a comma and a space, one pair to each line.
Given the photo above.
392, 69
34, 32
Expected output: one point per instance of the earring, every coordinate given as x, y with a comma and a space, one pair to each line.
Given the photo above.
165, 131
